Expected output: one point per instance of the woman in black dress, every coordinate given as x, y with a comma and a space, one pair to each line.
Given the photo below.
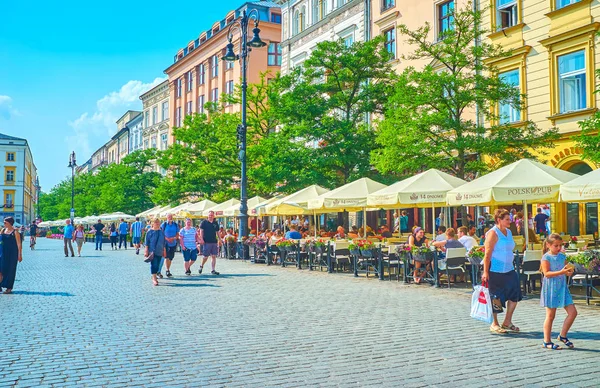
11, 254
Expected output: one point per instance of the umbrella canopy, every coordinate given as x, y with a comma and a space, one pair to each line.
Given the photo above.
296, 203
259, 210
218, 209
235, 209
196, 209
350, 197
585, 188
525, 180
144, 213
155, 213
117, 216
174, 210
426, 189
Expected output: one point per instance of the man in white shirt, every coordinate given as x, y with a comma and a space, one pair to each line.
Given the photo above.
441, 234
466, 240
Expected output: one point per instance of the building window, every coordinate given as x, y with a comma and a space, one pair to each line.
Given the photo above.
229, 88
506, 13
563, 3
154, 142
348, 40
387, 4
154, 115
215, 66
319, 10
165, 110
390, 41
201, 103
229, 65
215, 95
163, 141
10, 176
188, 108
8, 200
572, 81
296, 23
10, 156
178, 117
178, 87
274, 54
509, 114
201, 74
276, 18
190, 81
445, 18
145, 144
146, 119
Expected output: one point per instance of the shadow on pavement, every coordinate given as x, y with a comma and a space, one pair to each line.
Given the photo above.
573, 335
242, 275
41, 293
187, 285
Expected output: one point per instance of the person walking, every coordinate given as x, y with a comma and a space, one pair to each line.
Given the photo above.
11, 255
136, 234
155, 248
171, 231
123, 231
188, 239
114, 236
98, 229
210, 241
79, 238
33, 235
555, 291
499, 272
68, 238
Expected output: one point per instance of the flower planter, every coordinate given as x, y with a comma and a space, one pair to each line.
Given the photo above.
355, 252
369, 253
423, 257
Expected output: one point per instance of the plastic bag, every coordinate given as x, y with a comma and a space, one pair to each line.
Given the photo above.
481, 304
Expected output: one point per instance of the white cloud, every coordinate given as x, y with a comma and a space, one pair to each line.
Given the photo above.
91, 130
6, 108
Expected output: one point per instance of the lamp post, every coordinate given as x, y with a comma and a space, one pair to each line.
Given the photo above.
72, 165
246, 46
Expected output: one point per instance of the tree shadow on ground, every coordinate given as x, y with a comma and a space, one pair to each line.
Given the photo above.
242, 275
42, 293
187, 285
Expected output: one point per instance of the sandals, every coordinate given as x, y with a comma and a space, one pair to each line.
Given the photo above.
497, 330
551, 346
511, 328
566, 341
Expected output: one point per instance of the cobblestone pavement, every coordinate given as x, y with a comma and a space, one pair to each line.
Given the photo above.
98, 321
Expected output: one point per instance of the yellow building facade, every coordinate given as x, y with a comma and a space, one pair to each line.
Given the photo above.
553, 62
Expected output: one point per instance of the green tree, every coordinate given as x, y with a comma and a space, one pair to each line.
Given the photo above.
325, 137
430, 119
589, 138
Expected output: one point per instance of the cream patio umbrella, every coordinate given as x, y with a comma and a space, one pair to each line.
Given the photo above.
196, 209
218, 209
234, 210
522, 181
297, 203
260, 209
155, 213
427, 189
144, 213
173, 210
350, 197
585, 188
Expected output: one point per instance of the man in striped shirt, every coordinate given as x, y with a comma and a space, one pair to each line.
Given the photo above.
136, 234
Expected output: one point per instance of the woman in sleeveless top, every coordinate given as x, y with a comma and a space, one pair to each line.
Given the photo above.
418, 239
11, 254
499, 272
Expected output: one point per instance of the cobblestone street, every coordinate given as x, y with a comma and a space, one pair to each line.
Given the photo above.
98, 321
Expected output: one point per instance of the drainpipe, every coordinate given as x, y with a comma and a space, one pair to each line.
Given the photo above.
367, 20
477, 113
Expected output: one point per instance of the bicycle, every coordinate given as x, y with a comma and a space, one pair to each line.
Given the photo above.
32, 241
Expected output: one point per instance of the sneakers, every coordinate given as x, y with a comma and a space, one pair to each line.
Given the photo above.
200, 270
188, 272
169, 274
214, 272
137, 251
159, 275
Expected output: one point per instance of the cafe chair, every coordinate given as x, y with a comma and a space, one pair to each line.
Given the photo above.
530, 270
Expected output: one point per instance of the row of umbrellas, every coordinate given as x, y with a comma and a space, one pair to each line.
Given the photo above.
108, 217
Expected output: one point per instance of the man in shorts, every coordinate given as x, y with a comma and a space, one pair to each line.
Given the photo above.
136, 234
210, 241
171, 230
32, 234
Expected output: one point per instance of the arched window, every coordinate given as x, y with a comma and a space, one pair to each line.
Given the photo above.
303, 18
296, 27
316, 11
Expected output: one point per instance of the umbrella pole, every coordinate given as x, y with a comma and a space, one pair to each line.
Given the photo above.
315, 221
433, 220
526, 224
364, 222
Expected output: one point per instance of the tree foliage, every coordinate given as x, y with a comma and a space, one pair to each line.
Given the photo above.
430, 119
589, 138
125, 187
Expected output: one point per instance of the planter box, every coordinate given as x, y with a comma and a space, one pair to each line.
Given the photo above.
368, 253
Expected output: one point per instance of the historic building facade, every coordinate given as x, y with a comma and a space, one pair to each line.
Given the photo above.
553, 63
199, 75
155, 123
19, 188
308, 22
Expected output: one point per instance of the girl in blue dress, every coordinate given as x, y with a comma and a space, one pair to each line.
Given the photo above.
555, 291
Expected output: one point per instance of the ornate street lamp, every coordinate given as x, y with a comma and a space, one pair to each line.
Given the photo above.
72, 165
241, 25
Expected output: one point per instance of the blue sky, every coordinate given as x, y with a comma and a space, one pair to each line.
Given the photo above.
68, 70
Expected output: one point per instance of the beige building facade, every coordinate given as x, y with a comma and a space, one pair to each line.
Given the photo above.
155, 124
199, 75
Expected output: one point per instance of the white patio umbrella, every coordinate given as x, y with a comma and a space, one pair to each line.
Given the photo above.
144, 213
234, 210
218, 209
585, 188
523, 181
174, 210
196, 209
427, 189
350, 197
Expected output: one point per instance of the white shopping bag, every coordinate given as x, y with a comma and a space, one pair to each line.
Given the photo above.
481, 304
